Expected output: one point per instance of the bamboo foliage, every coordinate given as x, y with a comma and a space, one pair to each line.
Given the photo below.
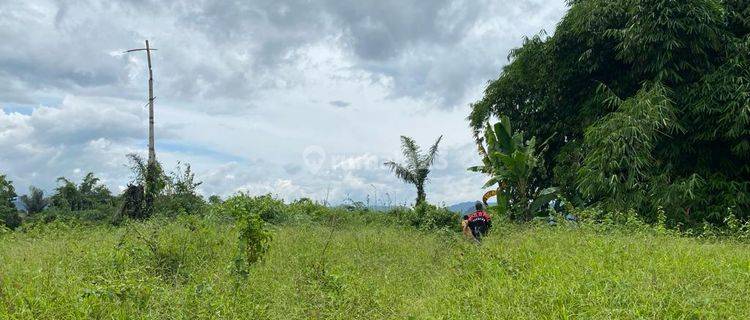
648, 103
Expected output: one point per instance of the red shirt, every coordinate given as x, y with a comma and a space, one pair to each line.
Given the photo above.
479, 214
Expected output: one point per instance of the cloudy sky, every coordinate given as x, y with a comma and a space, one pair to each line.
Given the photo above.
295, 98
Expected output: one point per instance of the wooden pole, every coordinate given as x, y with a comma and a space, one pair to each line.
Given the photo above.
151, 169
151, 148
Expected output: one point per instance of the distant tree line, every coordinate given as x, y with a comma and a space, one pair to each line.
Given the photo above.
92, 201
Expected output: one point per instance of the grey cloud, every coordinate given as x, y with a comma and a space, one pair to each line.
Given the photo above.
218, 53
81, 124
86, 134
339, 103
381, 30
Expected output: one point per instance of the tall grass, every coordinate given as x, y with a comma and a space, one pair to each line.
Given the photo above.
356, 269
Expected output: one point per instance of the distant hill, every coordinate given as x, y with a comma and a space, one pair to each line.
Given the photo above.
461, 207
464, 207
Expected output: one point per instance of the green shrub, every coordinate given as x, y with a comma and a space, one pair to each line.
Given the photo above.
426, 216
306, 209
254, 237
268, 208
10, 218
100, 214
178, 204
167, 248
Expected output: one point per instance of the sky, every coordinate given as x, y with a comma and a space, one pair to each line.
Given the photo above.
289, 97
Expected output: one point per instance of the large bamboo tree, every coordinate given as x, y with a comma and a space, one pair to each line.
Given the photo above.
417, 165
648, 102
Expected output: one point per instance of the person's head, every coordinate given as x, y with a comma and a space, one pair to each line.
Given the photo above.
479, 206
466, 217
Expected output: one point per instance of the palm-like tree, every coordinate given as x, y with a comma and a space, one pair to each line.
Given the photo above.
417, 165
35, 201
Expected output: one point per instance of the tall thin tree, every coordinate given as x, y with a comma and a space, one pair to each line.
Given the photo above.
417, 165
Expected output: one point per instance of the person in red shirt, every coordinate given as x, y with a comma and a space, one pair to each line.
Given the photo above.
479, 222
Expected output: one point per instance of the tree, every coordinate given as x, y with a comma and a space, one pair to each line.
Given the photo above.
8, 212
7, 192
172, 194
132, 203
511, 161
139, 168
181, 193
182, 181
417, 165
648, 101
86, 196
138, 199
215, 199
35, 201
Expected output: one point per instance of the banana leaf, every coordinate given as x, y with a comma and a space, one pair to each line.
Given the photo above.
544, 197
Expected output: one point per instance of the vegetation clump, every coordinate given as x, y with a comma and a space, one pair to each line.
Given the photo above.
254, 237
512, 163
8, 213
646, 102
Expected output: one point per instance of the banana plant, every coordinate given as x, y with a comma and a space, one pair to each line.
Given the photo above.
510, 161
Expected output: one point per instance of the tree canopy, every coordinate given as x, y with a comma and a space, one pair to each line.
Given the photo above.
8, 212
647, 103
87, 195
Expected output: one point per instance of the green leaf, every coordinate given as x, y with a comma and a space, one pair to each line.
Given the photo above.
491, 182
544, 197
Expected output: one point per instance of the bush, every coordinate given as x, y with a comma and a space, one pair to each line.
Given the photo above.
132, 203
268, 208
100, 214
306, 209
10, 218
180, 195
178, 204
254, 237
168, 248
427, 217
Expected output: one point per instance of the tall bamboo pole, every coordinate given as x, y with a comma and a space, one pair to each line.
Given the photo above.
151, 148
152, 167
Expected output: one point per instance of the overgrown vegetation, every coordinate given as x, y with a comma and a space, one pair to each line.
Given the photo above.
8, 213
374, 267
511, 162
647, 104
254, 238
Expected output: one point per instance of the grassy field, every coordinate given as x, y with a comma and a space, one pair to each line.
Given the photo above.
184, 269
